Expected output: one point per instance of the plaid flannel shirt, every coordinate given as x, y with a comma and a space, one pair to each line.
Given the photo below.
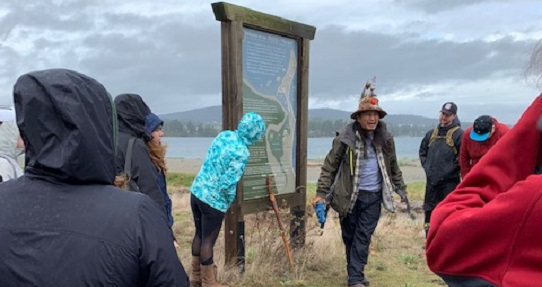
359, 160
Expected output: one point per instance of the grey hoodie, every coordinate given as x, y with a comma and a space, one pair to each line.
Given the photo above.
9, 136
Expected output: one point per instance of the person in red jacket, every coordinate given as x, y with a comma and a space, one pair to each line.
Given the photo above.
484, 133
487, 231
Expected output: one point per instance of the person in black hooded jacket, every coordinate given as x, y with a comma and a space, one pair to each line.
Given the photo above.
63, 223
131, 113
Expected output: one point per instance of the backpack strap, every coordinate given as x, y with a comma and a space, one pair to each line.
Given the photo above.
450, 140
128, 158
448, 137
434, 136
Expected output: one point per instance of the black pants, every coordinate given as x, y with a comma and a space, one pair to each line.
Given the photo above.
208, 222
435, 193
357, 229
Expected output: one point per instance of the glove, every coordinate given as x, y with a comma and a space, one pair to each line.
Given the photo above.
321, 212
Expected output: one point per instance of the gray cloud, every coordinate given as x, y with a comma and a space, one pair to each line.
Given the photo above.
44, 15
430, 6
349, 59
167, 62
172, 58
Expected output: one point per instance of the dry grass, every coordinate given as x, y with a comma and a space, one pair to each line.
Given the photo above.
396, 258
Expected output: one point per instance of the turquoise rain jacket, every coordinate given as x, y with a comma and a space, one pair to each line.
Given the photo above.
225, 162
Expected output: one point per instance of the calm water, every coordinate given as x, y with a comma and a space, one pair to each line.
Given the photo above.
317, 147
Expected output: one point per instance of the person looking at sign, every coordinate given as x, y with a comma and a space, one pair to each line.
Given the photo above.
362, 167
214, 190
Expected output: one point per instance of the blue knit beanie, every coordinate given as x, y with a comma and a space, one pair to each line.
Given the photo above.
152, 122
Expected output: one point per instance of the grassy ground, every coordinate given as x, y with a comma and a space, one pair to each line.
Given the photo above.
396, 259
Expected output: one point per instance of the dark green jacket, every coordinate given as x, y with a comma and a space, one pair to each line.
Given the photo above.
338, 170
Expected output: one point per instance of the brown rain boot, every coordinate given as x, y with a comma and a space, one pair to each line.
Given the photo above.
208, 276
195, 275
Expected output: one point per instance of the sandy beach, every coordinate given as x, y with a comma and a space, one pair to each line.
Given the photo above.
411, 173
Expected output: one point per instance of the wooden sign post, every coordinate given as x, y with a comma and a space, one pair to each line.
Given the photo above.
265, 64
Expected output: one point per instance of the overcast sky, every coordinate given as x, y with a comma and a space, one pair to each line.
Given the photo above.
422, 52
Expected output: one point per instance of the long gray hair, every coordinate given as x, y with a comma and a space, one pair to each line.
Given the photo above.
533, 73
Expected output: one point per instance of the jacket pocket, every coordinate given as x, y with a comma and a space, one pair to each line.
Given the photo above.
341, 197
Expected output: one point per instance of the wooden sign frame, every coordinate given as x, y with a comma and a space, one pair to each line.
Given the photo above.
234, 22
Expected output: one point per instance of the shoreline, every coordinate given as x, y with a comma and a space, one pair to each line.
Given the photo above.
412, 170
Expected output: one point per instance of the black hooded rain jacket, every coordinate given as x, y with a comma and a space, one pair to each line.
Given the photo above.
63, 223
131, 113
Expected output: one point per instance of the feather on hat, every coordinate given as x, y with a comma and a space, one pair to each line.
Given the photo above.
368, 102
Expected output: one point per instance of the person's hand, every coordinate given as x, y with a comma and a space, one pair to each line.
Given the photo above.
175, 243
317, 199
403, 194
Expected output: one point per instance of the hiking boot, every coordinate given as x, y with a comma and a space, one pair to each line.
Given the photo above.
195, 274
208, 276
364, 283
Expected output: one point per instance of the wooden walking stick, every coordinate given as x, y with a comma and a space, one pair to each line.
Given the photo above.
281, 227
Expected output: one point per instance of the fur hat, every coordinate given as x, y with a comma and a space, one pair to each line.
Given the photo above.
368, 102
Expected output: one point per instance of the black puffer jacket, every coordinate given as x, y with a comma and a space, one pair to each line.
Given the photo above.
131, 113
63, 223
440, 161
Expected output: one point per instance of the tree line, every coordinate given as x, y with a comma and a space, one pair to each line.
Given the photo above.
328, 128
175, 128
316, 128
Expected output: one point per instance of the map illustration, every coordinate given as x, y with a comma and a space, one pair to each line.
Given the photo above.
270, 88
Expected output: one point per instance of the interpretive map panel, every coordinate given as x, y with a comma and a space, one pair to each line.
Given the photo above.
270, 67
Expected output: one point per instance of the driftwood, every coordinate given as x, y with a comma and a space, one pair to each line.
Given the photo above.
281, 227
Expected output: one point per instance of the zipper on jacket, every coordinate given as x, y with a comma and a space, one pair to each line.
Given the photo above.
351, 165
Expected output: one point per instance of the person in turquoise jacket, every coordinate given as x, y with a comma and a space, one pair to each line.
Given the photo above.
214, 190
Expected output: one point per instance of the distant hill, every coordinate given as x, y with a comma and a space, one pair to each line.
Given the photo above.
203, 115
213, 114
328, 114
207, 122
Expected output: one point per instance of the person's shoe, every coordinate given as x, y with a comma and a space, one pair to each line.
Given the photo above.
195, 274
208, 276
357, 285
364, 281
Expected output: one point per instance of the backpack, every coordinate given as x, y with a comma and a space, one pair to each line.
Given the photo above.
448, 137
127, 183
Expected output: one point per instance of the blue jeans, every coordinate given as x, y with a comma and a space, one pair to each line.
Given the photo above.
357, 229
